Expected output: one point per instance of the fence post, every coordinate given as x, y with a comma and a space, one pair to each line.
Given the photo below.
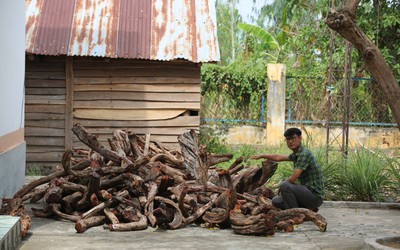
276, 103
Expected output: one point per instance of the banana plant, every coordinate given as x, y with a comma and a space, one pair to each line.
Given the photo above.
269, 42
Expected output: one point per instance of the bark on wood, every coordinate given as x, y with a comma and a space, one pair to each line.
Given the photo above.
178, 176
130, 226
69, 202
65, 161
108, 183
36, 194
28, 187
167, 214
288, 224
199, 212
216, 216
165, 182
255, 177
149, 206
134, 203
169, 159
214, 159
224, 203
93, 211
56, 210
91, 141
122, 141
10, 206
83, 224
251, 225
53, 193
14, 207
195, 158
140, 161
111, 216
93, 188
318, 220
25, 221
72, 187
181, 192
226, 182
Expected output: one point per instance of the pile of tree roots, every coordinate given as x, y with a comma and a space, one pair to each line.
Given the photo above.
134, 183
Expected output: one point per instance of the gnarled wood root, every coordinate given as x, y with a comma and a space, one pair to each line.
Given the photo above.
131, 226
318, 219
260, 224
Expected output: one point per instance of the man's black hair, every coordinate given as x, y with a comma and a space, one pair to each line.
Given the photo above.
291, 132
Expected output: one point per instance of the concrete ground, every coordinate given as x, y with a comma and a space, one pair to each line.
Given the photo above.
349, 225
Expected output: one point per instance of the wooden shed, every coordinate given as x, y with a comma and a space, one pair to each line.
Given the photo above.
113, 64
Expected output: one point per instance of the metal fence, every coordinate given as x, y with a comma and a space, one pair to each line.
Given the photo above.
307, 103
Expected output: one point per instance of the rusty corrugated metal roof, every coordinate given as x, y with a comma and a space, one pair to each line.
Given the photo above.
140, 29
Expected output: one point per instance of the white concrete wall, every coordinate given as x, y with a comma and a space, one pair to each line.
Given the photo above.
12, 65
383, 138
12, 68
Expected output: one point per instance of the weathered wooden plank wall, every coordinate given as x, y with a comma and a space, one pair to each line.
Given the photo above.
156, 97
44, 109
160, 98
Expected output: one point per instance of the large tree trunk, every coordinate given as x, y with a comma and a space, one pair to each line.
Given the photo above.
342, 21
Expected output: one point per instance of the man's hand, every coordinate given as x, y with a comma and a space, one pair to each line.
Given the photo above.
255, 157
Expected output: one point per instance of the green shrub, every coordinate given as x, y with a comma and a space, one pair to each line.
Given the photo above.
394, 175
330, 171
364, 177
246, 151
212, 142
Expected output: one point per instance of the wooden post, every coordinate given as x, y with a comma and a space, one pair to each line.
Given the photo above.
276, 103
69, 98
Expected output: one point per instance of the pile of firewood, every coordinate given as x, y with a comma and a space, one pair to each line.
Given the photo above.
135, 183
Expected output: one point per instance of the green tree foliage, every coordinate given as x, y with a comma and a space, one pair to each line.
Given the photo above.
227, 21
297, 27
380, 20
268, 42
233, 89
